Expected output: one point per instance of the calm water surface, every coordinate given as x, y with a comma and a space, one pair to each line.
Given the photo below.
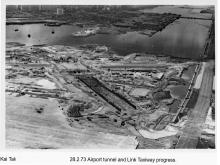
182, 38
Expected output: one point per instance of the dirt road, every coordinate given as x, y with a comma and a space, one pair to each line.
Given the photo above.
192, 129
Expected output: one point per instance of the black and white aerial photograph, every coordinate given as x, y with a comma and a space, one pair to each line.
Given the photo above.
110, 77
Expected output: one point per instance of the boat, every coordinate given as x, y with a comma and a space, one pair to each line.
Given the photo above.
85, 33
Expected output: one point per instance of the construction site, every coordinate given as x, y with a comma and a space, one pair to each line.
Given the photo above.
89, 96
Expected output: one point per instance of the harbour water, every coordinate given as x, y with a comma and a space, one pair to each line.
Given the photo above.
183, 38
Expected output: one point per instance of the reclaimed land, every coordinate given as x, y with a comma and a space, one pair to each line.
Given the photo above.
192, 129
72, 85
49, 130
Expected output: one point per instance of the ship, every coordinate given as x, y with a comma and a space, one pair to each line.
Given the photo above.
85, 33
